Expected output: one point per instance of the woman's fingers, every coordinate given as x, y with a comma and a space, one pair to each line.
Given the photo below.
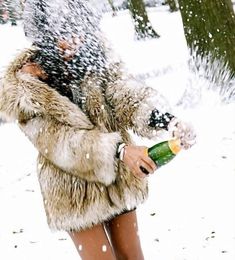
139, 172
137, 159
151, 164
145, 167
144, 170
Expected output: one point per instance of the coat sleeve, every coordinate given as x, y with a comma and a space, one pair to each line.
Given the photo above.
133, 103
60, 131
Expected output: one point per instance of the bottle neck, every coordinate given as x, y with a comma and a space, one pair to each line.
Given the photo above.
174, 145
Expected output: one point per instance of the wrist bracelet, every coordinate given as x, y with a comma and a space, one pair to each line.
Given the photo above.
120, 151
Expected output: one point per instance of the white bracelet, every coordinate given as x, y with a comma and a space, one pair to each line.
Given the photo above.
121, 151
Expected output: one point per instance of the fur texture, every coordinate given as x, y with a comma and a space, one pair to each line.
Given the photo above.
82, 183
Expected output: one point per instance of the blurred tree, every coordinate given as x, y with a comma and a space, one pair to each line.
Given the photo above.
3, 12
143, 27
113, 7
209, 28
11, 9
172, 4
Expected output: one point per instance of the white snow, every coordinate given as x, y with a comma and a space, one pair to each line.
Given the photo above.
104, 248
190, 213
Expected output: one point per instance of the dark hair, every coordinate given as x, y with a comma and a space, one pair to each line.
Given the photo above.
44, 29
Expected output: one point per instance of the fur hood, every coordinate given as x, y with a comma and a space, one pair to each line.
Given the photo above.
82, 182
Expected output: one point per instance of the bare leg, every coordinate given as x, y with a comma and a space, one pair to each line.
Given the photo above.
93, 244
123, 232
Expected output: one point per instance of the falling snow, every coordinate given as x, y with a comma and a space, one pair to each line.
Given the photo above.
190, 211
104, 248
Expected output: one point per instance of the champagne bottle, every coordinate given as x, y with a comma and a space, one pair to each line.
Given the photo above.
163, 152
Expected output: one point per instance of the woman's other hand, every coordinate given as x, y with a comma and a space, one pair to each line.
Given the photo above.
136, 157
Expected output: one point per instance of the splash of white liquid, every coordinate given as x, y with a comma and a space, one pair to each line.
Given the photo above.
208, 102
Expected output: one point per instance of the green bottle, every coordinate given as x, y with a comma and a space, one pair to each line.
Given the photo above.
164, 152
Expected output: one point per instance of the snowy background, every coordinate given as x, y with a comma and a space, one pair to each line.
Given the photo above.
190, 213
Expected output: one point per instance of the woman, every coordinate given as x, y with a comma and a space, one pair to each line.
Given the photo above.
76, 106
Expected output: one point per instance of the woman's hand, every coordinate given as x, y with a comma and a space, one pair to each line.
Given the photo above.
136, 157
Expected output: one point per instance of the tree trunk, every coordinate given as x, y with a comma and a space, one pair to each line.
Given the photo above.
113, 7
172, 5
143, 27
209, 28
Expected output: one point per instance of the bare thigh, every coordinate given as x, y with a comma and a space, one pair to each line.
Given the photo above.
123, 231
93, 244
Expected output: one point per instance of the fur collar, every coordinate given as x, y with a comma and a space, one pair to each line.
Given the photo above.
22, 93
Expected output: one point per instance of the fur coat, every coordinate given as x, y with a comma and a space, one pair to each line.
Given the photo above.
81, 180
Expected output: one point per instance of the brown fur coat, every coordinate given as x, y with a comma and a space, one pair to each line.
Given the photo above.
82, 183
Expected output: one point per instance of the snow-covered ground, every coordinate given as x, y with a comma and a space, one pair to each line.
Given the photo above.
190, 213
